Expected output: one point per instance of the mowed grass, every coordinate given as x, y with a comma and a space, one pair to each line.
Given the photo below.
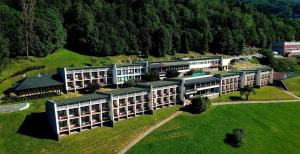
269, 128
98, 140
66, 58
266, 93
293, 85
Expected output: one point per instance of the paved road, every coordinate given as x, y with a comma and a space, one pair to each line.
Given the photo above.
248, 56
139, 138
13, 107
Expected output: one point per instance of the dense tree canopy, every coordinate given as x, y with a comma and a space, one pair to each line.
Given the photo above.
147, 27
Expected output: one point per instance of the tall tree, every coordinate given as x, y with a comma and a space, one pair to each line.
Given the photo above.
28, 8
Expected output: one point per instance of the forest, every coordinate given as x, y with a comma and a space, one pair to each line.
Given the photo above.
145, 27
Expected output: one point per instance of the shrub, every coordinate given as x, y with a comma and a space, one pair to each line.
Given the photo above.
92, 87
172, 74
236, 138
199, 105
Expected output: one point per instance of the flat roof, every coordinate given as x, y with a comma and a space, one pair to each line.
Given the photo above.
197, 80
169, 64
80, 99
88, 67
124, 91
159, 83
33, 82
128, 64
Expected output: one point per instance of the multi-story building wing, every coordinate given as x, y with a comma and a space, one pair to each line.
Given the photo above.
163, 67
230, 81
77, 114
209, 64
163, 93
256, 77
125, 72
207, 85
76, 79
128, 102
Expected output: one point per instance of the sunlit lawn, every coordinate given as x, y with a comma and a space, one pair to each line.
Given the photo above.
14, 140
270, 128
293, 85
266, 93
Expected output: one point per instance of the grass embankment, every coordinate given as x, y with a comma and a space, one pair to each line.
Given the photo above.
293, 85
65, 58
25, 132
270, 128
266, 93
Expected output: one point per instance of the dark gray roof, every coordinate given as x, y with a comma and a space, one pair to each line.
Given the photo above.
159, 83
168, 64
36, 82
90, 67
80, 99
193, 81
124, 91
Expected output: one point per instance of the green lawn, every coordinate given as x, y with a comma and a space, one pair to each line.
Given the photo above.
293, 85
13, 138
66, 58
270, 128
266, 93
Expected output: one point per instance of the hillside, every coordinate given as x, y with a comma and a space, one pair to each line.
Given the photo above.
20, 68
150, 27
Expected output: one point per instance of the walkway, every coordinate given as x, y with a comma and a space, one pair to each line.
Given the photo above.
13, 107
292, 94
139, 138
253, 102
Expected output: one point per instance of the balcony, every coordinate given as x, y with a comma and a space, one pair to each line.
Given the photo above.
85, 123
95, 121
63, 128
63, 117
75, 125
121, 114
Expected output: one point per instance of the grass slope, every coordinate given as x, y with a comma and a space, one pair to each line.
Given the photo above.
66, 58
13, 139
293, 85
266, 93
270, 128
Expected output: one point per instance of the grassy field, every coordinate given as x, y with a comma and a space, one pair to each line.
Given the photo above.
26, 132
269, 128
66, 58
293, 85
266, 93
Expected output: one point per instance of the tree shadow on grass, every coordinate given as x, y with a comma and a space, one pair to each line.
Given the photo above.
36, 125
235, 98
229, 140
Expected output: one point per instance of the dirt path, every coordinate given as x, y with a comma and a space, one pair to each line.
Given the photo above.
139, 138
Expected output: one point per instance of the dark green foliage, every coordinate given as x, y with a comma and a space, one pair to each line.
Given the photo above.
131, 82
4, 49
153, 27
236, 138
92, 87
199, 105
280, 65
151, 76
172, 74
246, 91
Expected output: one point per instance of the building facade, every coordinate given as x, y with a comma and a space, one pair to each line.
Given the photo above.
286, 48
98, 109
77, 79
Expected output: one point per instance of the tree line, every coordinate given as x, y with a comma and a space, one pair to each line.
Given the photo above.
146, 27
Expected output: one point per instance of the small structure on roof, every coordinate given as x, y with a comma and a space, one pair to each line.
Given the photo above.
38, 86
